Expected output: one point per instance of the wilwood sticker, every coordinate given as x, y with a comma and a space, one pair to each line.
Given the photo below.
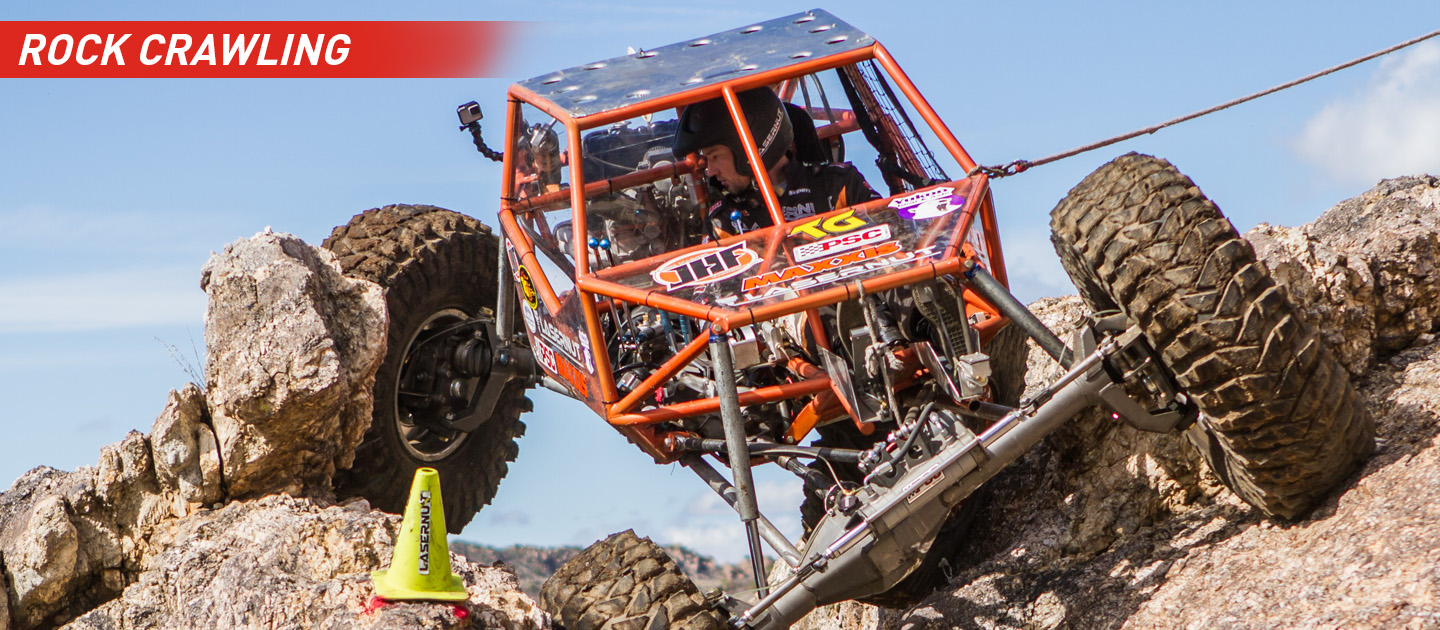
706, 266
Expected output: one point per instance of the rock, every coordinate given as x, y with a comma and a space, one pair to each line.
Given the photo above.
187, 460
293, 346
286, 562
1367, 272
66, 538
843, 616
1396, 227
1371, 560
4, 597
43, 561
533, 565
129, 543
1334, 291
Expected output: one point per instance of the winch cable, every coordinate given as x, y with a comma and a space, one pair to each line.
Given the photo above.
1020, 166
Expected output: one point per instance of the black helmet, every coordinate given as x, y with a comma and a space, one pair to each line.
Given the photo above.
708, 123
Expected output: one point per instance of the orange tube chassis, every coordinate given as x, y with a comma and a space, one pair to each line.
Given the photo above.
642, 426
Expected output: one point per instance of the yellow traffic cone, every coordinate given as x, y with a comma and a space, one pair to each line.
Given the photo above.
420, 568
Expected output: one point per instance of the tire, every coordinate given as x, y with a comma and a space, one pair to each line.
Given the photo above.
436, 267
1280, 424
1008, 352
626, 583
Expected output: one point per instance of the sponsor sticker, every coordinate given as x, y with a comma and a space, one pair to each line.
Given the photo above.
928, 484
563, 368
705, 266
842, 243
929, 204
785, 282
796, 272
821, 228
527, 288
424, 559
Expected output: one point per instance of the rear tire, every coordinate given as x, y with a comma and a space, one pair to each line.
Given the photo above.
437, 268
626, 583
1280, 421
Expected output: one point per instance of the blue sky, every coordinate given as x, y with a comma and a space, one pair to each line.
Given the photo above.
114, 192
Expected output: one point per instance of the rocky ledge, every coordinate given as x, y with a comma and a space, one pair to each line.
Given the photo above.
223, 516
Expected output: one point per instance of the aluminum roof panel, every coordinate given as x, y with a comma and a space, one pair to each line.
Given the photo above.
614, 83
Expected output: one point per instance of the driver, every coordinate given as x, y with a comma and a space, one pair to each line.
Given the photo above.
802, 189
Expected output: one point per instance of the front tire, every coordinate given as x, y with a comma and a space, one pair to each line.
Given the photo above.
438, 269
626, 583
1281, 424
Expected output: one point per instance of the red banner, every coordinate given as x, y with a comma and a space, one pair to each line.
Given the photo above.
250, 49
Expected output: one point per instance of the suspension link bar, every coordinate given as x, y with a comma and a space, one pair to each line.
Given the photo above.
768, 531
838, 455
734, 425
994, 292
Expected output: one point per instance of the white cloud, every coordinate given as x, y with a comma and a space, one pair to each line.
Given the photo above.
709, 526
102, 299
1390, 129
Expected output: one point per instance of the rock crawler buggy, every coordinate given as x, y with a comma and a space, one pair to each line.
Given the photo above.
883, 328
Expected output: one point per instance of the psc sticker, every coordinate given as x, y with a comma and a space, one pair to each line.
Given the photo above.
705, 266
842, 243
929, 204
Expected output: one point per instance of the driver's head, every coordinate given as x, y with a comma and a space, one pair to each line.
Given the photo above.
707, 127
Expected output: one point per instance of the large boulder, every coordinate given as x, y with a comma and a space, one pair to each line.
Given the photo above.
1367, 272
293, 346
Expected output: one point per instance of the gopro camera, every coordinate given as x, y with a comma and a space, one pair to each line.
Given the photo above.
469, 113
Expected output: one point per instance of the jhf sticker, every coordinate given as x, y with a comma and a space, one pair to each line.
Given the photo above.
705, 266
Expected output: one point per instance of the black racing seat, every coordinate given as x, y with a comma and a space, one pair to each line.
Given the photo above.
808, 147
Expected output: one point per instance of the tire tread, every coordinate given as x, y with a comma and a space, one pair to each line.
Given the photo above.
1281, 424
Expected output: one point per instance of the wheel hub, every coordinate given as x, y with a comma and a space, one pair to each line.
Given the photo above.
439, 377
